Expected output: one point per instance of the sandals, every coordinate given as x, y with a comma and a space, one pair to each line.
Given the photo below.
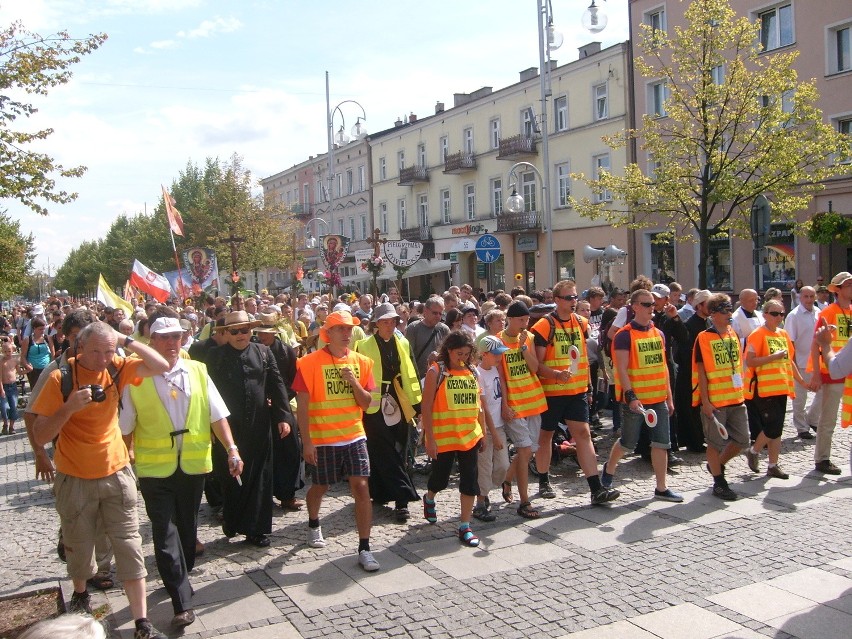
430, 513
527, 511
467, 537
101, 581
507, 492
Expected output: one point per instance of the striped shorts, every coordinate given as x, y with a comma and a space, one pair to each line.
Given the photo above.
336, 463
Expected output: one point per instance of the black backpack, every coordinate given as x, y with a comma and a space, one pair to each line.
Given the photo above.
67, 380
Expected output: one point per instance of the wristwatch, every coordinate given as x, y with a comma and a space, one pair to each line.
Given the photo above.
523, 348
128, 341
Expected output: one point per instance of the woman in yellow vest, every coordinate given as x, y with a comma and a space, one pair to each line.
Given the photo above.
768, 383
387, 422
453, 424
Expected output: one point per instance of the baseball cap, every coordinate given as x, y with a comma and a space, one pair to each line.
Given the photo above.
701, 296
660, 290
166, 325
491, 344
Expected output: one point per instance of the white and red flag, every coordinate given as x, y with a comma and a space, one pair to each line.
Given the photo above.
150, 282
175, 219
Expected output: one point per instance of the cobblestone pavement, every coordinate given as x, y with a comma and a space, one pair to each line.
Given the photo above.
776, 563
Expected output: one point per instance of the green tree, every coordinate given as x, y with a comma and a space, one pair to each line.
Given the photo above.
33, 64
79, 272
17, 253
737, 123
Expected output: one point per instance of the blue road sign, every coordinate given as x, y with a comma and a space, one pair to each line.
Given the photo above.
487, 248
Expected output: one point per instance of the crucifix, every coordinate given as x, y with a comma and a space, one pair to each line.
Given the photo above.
375, 241
234, 242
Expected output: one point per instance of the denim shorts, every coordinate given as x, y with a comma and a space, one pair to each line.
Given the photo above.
632, 423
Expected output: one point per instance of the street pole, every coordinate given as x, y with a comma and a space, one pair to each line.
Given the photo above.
544, 76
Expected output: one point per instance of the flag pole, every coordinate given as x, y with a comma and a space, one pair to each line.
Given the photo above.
182, 291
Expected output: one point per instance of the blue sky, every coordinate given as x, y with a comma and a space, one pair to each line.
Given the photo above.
182, 80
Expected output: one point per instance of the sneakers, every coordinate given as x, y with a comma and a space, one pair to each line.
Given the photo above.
674, 460
806, 435
604, 495
776, 472
753, 460
545, 491
606, 478
315, 538
827, 467
668, 495
483, 512
146, 630
367, 561
723, 491
80, 603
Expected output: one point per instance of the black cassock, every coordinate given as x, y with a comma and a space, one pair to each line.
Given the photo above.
246, 380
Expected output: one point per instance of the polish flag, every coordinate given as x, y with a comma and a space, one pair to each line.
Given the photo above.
150, 282
175, 219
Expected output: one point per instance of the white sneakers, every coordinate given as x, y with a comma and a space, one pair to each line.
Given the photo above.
315, 538
367, 561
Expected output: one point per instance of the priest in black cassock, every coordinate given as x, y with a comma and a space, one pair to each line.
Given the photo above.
248, 379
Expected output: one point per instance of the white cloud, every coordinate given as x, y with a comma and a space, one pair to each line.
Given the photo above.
210, 27
163, 44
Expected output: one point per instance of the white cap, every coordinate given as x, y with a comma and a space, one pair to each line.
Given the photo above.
166, 325
660, 290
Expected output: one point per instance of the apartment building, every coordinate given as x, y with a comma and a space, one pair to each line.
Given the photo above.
820, 32
444, 179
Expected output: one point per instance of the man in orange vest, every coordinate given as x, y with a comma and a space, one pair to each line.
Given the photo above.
333, 386
838, 314
717, 377
642, 383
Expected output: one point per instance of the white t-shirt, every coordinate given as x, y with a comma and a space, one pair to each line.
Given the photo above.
492, 393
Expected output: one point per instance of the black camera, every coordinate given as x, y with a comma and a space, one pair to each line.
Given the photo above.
98, 394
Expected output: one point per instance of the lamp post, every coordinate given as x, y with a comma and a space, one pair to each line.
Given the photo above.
313, 241
515, 204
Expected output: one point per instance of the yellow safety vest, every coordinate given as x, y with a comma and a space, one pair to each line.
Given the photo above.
156, 453
410, 382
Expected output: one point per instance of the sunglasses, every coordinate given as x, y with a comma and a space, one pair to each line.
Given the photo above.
727, 310
775, 313
239, 331
646, 304
567, 298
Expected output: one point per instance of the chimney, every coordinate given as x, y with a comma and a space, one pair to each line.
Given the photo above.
439, 107
398, 123
460, 99
412, 118
589, 49
529, 74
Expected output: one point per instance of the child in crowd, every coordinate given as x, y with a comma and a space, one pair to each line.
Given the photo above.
9, 391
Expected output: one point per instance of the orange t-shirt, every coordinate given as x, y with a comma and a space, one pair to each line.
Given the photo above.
89, 445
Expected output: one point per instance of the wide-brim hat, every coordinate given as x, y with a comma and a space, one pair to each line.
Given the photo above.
384, 311
838, 280
268, 322
237, 319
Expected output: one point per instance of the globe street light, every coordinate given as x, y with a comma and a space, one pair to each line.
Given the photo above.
515, 204
594, 18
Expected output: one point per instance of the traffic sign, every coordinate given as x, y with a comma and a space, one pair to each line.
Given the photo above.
487, 248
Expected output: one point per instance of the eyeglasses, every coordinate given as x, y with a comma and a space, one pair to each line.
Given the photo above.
567, 298
646, 304
239, 331
775, 313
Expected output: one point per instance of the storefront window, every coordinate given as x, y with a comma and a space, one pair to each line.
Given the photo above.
497, 274
779, 266
662, 251
719, 263
564, 266
529, 271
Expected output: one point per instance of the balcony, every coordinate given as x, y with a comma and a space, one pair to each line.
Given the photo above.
516, 147
514, 222
460, 163
412, 174
297, 209
419, 234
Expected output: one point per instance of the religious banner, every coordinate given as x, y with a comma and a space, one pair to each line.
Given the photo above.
402, 253
361, 257
203, 268
334, 249
181, 281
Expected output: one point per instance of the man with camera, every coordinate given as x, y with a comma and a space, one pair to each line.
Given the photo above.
93, 475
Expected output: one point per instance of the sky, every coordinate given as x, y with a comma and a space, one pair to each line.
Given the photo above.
179, 81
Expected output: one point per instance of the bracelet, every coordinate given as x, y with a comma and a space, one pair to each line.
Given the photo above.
232, 447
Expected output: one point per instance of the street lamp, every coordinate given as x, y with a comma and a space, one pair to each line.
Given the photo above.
515, 204
311, 241
594, 18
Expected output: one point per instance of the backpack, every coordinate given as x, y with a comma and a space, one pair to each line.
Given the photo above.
604, 342
67, 380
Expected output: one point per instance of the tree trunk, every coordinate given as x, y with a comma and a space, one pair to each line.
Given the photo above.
703, 256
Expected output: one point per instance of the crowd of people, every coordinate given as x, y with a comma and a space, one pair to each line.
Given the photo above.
240, 401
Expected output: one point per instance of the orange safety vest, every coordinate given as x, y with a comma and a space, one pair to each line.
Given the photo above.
646, 366
455, 412
773, 378
334, 417
722, 359
526, 396
846, 405
565, 334
842, 319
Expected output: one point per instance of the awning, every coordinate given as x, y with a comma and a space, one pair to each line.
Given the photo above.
351, 280
422, 267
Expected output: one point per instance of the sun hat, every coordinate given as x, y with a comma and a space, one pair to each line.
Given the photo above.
237, 318
838, 280
384, 311
338, 318
701, 296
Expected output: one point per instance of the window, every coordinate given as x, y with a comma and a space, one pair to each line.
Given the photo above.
306, 190
383, 169
320, 194
423, 210
601, 106
400, 160
719, 263
656, 19
717, 74
403, 216
352, 227
845, 127
600, 164
787, 103
560, 108
341, 230
445, 148
563, 183
350, 183
470, 201
445, 206
362, 178
564, 265
496, 196
339, 184
528, 191
363, 227
776, 27
527, 122
661, 250
421, 154
840, 49
494, 128
657, 94
383, 217
468, 140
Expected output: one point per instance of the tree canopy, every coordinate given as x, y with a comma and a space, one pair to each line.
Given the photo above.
735, 123
33, 64
17, 253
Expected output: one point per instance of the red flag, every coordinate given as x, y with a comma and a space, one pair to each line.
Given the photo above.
175, 220
150, 282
